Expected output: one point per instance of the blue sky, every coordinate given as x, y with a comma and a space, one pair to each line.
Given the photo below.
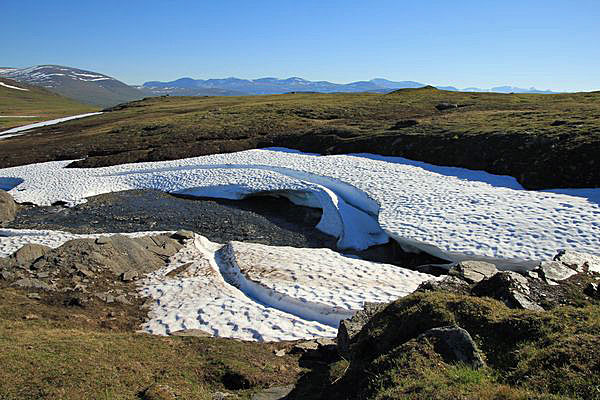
546, 44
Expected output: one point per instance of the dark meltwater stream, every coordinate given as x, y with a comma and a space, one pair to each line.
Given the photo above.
267, 220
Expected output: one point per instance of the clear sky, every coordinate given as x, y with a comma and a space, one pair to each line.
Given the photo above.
543, 43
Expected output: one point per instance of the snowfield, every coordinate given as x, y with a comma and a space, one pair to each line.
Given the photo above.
20, 130
251, 291
364, 200
267, 293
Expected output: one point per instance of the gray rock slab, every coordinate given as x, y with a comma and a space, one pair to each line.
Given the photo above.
8, 208
273, 393
473, 271
555, 271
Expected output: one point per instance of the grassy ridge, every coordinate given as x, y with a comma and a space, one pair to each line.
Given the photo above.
529, 355
36, 101
59, 352
543, 140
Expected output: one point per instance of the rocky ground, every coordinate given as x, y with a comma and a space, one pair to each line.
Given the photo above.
68, 318
267, 220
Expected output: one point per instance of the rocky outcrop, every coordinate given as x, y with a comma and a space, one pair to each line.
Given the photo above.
8, 208
445, 106
454, 344
118, 254
580, 262
349, 328
103, 269
473, 271
448, 283
555, 282
510, 288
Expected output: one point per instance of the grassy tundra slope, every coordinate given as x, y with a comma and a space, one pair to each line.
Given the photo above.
73, 352
542, 140
36, 103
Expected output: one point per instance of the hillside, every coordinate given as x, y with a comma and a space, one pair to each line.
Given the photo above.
22, 104
83, 86
542, 140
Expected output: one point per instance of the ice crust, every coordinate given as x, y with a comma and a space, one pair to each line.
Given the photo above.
364, 200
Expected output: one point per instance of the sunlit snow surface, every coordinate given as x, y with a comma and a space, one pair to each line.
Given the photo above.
438, 212
251, 291
267, 293
20, 130
13, 87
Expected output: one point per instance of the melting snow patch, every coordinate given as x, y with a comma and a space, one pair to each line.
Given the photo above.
21, 129
190, 293
257, 292
316, 284
363, 199
13, 87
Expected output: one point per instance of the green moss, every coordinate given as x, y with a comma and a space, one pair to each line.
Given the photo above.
529, 355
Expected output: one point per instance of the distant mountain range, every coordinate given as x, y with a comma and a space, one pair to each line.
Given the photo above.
236, 86
101, 90
84, 86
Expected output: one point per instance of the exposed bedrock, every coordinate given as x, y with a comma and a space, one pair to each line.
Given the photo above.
8, 208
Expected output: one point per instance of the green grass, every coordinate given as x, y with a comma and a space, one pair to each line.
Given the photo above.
529, 355
63, 354
38, 102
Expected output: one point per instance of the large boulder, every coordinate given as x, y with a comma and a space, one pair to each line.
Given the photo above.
8, 208
349, 328
510, 288
473, 271
581, 262
554, 271
29, 253
454, 344
447, 283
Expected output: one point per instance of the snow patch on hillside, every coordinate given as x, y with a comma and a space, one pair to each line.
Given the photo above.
13, 87
20, 130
